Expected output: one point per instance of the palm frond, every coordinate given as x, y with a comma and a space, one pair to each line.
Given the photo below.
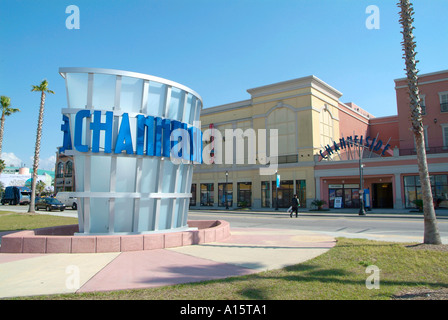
5, 101
42, 87
10, 111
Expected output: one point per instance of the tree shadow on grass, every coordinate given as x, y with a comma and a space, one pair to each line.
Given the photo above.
254, 293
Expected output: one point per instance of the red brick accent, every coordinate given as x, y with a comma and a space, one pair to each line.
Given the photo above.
84, 244
62, 239
173, 239
153, 241
108, 244
131, 243
12, 244
36, 244
59, 244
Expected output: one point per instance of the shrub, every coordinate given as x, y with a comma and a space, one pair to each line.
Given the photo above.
318, 203
419, 204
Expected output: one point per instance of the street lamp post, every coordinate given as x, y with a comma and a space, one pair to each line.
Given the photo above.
276, 190
225, 190
362, 211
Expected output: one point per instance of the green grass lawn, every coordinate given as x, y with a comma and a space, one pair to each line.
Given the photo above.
10, 221
339, 274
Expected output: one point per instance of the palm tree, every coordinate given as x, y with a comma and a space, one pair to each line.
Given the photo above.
7, 110
431, 231
2, 166
43, 89
40, 186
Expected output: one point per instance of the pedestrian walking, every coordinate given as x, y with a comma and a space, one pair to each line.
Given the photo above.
295, 206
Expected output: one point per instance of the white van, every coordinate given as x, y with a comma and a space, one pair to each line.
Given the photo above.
68, 200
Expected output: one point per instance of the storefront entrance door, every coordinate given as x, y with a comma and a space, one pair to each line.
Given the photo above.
382, 195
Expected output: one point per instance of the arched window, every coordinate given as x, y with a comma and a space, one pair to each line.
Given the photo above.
326, 127
60, 170
68, 169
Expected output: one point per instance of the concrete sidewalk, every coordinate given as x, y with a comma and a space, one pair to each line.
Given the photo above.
392, 213
246, 251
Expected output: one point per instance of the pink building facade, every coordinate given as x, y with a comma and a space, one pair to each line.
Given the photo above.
390, 177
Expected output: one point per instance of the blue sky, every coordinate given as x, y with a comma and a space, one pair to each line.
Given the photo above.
219, 48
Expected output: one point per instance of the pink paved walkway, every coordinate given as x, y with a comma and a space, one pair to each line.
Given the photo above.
246, 251
155, 268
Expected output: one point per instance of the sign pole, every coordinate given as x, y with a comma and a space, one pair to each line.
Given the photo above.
362, 211
277, 186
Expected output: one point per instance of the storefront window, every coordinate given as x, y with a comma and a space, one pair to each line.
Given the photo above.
265, 194
285, 193
207, 198
222, 192
244, 194
343, 196
410, 191
193, 195
301, 192
441, 191
439, 188
351, 195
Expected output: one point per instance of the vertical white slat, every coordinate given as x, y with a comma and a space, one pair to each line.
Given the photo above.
112, 188
88, 158
113, 158
158, 189
139, 162
144, 108
188, 180
184, 105
117, 93
176, 181
194, 108
167, 101
137, 189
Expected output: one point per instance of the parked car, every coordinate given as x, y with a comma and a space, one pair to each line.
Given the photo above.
67, 199
49, 204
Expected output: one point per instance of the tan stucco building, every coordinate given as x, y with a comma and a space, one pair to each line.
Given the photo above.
305, 111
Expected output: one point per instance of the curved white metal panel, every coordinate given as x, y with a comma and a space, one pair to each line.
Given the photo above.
126, 192
64, 70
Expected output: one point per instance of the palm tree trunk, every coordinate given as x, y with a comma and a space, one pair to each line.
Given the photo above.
36, 153
431, 232
2, 128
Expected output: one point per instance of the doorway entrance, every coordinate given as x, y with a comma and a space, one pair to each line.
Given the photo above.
382, 195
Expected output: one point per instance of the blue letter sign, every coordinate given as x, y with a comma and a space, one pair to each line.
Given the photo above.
154, 136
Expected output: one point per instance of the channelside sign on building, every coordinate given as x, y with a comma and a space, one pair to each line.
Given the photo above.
134, 139
344, 144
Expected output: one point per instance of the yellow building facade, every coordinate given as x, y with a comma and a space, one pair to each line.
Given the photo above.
305, 114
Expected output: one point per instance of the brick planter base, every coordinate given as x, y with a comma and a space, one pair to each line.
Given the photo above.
61, 239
